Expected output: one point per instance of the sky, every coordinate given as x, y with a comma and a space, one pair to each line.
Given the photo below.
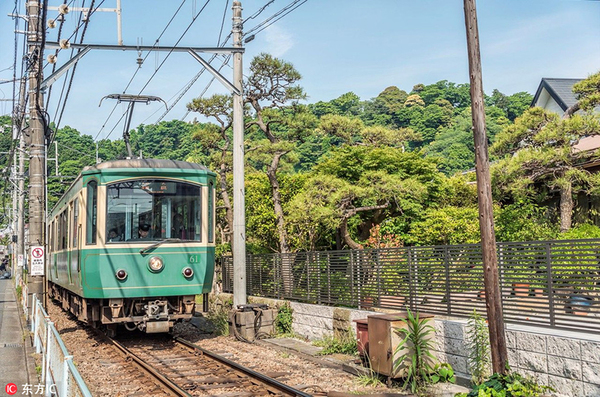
339, 46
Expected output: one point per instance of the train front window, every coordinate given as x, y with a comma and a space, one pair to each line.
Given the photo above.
153, 209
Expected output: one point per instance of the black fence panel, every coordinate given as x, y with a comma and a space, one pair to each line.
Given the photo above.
546, 283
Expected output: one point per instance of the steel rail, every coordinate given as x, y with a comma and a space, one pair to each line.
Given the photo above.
172, 387
253, 374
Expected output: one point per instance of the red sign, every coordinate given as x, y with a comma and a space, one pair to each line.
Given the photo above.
11, 389
37, 253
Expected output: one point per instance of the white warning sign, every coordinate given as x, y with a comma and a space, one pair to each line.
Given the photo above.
37, 261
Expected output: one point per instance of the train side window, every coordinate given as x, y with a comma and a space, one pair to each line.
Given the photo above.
75, 212
211, 206
51, 237
63, 230
91, 212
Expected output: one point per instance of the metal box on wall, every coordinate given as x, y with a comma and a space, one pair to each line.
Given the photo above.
383, 341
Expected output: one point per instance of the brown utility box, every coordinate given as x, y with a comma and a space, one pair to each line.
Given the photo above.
362, 336
383, 341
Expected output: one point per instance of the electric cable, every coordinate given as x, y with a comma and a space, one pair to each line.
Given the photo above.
87, 20
68, 75
195, 78
135, 73
76, 150
171, 51
278, 15
223, 21
59, 34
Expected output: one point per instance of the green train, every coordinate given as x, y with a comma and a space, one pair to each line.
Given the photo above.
132, 242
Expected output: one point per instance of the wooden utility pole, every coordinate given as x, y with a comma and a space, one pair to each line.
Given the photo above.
37, 148
493, 299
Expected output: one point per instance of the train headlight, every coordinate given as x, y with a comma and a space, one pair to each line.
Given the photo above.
156, 264
188, 272
121, 274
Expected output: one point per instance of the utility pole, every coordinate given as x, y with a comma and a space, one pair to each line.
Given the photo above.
21, 204
239, 201
493, 298
37, 149
15, 214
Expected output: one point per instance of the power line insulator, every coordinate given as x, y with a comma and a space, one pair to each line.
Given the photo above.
64, 44
51, 58
63, 9
51, 23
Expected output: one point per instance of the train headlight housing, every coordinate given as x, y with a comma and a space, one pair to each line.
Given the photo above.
187, 272
156, 264
121, 274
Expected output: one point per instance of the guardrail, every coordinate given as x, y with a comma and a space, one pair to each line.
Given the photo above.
59, 374
545, 283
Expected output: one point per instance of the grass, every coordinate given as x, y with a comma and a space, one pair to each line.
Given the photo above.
342, 343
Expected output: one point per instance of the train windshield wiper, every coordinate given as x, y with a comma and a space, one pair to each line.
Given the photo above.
167, 240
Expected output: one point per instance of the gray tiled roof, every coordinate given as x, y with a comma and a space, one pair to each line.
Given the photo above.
560, 89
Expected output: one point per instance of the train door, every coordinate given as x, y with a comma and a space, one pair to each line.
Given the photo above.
74, 243
69, 232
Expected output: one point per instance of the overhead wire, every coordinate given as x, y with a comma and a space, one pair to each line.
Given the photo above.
278, 15
68, 77
197, 76
86, 23
223, 20
169, 53
135, 73
59, 34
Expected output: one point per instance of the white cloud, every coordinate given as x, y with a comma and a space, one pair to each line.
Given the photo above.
278, 40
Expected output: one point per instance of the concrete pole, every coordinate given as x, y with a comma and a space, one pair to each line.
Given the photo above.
15, 214
119, 28
239, 201
37, 150
21, 203
493, 298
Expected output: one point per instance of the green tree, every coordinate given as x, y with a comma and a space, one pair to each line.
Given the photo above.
357, 187
512, 106
538, 150
218, 138
280, 125
166, 140
588, 94
448, 225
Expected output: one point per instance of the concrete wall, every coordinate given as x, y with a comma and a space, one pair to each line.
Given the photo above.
568, 361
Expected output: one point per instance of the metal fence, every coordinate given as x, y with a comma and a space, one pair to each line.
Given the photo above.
547, 283
59, 374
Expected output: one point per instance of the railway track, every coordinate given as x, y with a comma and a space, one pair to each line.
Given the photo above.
189, 370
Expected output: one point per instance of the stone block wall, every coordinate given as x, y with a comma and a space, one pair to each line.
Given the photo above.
568, 361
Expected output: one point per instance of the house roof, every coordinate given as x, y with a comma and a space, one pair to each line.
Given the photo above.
587, 143
561, 90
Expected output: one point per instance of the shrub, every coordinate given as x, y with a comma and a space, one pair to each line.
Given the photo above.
416, 346
479, 348
509, 385
284, 320
342, 343
218, 314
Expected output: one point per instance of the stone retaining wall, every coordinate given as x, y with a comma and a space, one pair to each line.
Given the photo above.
568, 361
